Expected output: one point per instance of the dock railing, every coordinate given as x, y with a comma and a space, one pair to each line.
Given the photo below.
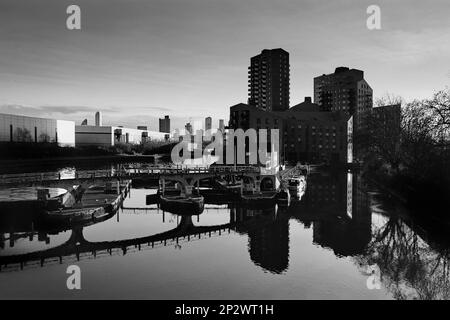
37, 177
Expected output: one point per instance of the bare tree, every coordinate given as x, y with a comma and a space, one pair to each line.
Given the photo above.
43, 137
389, 99
439, 109
23, 135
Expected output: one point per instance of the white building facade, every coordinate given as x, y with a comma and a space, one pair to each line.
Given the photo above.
17, 128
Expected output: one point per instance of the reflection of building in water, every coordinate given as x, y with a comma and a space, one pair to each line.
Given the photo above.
268, 235
2, 241
326, 193
269, 246
347, 234
350, 194
337, 208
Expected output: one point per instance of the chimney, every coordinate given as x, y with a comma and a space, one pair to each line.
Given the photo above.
308, 99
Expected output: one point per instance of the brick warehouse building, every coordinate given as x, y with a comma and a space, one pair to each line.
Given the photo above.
347, 91
307, 133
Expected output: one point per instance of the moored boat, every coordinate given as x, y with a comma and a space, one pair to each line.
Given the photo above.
180, 204
261, 197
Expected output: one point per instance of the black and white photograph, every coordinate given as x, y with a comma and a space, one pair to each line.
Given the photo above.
205, 151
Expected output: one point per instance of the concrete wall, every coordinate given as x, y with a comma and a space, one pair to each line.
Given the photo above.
108, 136
94, 136
19, 128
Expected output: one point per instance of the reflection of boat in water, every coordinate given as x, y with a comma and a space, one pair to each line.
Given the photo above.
222, 184
218, 196
284, 197
78, 215
180, 204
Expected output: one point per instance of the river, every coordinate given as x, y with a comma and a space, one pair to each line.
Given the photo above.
342, 240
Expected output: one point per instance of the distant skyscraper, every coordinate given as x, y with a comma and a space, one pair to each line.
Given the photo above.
164, 124
208, 123
188, 128
268, 78
98, 119
221, 125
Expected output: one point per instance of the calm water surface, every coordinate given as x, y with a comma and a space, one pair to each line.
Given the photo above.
325, 246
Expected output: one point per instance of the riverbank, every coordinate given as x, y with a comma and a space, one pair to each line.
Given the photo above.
52, 163
425, 200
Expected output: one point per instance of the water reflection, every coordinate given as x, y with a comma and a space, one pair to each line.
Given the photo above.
337, 213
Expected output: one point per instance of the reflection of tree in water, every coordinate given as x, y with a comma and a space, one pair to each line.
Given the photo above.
269, 246
410, 268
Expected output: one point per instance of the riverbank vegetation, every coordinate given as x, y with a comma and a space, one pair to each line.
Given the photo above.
415, 162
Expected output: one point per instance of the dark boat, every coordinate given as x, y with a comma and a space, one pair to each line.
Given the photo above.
179, 204
261, 198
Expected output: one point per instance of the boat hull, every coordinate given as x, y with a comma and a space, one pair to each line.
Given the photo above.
259, 198
182, 205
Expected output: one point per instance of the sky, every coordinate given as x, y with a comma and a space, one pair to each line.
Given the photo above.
138, 60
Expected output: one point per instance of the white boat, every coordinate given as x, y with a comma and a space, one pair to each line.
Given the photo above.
297, 186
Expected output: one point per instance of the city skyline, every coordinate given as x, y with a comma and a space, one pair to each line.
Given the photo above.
146, 65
